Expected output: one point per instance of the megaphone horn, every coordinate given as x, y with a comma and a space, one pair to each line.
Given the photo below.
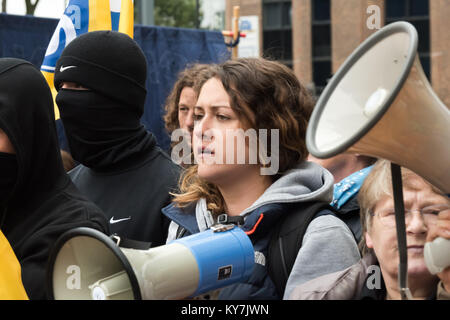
86, 264
381, 104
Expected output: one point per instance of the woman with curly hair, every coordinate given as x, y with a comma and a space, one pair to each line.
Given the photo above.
244, 99
179, 107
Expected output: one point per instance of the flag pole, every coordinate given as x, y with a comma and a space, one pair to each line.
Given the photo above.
236, 12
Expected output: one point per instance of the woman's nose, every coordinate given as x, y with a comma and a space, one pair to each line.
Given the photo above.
416, 223
202, 129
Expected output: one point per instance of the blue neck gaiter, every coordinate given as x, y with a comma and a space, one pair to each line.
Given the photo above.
348, 187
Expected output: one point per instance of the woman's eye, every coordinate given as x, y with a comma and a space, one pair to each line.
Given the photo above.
435, 210
198, 117
222, 117
431, 211
388, 213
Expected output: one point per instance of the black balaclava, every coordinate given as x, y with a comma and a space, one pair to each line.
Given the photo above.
28, 119
102, 124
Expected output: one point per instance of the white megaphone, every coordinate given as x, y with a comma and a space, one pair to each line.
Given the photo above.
437, 255
380, 104
86, 264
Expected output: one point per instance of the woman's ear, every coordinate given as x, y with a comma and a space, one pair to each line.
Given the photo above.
369, 242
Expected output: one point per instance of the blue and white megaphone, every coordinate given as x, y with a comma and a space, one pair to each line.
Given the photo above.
86, 264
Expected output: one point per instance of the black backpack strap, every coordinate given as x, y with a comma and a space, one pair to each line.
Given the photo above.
287, 238
181, 231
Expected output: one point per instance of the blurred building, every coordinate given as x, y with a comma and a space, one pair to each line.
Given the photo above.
213, 14
314, 37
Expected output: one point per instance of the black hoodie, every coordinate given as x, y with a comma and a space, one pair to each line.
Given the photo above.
43, 203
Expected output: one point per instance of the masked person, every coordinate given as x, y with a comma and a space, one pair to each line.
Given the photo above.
100, 78
38, 201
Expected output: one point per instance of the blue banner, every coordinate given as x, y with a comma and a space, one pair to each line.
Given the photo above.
168, 51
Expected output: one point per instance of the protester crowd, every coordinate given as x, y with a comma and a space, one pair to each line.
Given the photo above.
124, 184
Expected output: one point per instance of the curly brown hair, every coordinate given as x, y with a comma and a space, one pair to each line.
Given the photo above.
193, 77
266, 95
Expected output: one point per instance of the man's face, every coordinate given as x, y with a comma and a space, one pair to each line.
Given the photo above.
5, 144
340, 166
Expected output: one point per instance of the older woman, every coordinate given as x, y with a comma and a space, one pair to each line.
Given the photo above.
427, 215
252, 99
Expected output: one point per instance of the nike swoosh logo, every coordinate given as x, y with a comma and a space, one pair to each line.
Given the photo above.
62, 69
112, 221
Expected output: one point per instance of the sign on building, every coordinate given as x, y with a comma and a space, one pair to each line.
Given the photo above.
249, 46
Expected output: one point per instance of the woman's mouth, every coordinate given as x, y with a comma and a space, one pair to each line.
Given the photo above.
415, 249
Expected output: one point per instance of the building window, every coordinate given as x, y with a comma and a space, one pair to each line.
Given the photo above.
416, 12
277, 30
321, 44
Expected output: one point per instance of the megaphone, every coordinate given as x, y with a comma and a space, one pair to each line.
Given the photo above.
380, 104
86, 264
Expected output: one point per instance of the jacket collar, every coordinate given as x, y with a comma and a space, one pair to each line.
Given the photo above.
257, 222
184, 217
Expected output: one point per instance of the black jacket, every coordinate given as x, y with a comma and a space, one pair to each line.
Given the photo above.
44, 202
132, 196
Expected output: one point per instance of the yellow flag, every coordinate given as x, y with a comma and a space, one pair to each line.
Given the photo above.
11, 287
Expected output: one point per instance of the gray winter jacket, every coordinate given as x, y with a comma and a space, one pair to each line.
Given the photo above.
328, 244
342, 285
359, 281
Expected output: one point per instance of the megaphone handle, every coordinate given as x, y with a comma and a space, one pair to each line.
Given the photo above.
397, 188
130, 243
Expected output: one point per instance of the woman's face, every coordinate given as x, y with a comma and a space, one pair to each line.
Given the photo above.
186, 104
382, 234
215, 147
